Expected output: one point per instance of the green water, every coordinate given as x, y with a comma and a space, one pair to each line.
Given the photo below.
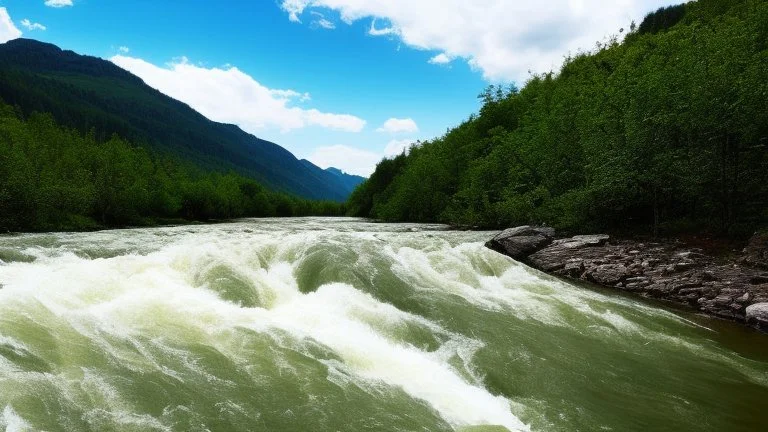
344, 325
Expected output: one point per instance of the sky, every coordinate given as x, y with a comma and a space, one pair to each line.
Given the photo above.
342, 83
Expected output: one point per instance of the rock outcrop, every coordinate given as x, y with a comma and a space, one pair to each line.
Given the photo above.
736, 290
520, 242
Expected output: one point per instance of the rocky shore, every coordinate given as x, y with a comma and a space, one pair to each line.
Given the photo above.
734, 288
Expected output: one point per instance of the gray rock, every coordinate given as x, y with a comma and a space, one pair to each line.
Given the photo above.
757, 314
520, 242
609, 274
581, 241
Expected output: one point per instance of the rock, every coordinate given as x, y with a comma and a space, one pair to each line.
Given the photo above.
581, 241
520, 242
665, 269
757, 315
609, 274
756, 252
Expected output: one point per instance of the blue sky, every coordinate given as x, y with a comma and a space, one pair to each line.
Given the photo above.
341, 82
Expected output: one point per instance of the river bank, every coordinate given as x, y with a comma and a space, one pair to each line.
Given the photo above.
732, 287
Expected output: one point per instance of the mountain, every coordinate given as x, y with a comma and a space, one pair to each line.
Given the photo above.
348, 181
92, 94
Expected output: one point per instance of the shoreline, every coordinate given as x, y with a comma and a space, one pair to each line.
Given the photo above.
733, 288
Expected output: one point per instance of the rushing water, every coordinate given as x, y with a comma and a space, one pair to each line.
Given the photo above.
344, 325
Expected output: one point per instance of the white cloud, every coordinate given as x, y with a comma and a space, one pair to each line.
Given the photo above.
440, 59
58, 3
124, 49
502, 38
229, 95
349, 159
8, 30
324, 23
354, 160
384, 31
395, 125
32, 26
396, 147
321, 22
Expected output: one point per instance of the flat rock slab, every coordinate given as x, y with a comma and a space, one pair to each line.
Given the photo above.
736, 289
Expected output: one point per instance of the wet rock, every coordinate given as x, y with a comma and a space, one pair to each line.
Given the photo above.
520, 242
663, 270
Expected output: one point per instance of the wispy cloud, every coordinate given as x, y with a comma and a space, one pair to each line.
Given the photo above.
124, 49
321, 21
58, 3
29, 25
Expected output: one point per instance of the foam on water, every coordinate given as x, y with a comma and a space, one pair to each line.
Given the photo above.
144, 299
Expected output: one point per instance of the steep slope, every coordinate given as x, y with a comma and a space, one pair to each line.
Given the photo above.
665, 132
89, 93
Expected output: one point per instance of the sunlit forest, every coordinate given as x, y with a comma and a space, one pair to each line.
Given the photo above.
664, 130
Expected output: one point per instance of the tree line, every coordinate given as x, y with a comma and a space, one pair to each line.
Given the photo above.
665, 131
56, 178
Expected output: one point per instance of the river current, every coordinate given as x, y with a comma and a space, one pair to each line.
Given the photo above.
345, 325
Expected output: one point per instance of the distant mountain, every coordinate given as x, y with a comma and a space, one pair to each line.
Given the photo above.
92, 94
349, 180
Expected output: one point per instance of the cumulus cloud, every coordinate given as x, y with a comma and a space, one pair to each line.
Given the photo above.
354, 160
229, 95
348, 159
124, 49
8, 30
502, 38
396, 125
58, 3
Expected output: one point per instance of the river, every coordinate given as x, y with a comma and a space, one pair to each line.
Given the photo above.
344, 325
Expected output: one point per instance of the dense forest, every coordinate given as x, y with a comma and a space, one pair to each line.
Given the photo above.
89, 93
665, 131
55, 178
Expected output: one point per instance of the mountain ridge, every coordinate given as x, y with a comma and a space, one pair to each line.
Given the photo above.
92, 94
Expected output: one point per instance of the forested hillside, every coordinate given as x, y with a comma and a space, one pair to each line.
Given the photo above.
54, 178
665, 131
88, 93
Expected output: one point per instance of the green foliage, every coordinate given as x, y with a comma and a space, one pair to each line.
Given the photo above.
662, 19
88, 93
53, 178
666, 130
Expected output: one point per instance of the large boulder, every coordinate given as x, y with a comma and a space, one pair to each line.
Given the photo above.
757, 315
756, 252
522, 241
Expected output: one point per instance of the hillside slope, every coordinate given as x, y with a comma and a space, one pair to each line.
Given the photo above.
666, 131
89, 93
